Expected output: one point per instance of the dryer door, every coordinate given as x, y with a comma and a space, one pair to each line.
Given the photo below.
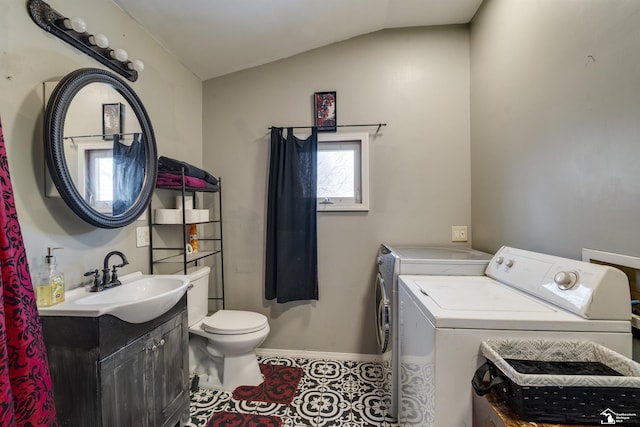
383, 315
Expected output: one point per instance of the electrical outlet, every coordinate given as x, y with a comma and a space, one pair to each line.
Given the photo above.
142, 236
459, 233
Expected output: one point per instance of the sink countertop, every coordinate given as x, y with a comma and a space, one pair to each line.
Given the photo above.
77, 301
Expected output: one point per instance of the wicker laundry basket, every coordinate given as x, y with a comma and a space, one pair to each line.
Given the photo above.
566, 382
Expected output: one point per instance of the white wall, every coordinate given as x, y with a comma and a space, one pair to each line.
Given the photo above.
555, 125
417, 81
29, 56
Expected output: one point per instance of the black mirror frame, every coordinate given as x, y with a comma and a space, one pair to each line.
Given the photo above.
53, 128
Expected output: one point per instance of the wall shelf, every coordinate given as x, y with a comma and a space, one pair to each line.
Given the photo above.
210, 241
190, 257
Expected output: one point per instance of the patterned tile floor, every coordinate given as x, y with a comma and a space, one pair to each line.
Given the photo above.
332, 393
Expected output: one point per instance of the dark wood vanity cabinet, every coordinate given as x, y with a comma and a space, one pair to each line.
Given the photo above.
140, 384
111, 373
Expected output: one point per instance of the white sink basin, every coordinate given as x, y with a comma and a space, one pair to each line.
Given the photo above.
139, 299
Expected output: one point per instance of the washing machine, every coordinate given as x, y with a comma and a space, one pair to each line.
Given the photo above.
444, 319
427, 260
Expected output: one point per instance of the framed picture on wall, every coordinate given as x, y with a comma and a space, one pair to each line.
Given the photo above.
325, 111
112, 120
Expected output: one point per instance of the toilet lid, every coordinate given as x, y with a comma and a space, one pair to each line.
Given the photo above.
232, 322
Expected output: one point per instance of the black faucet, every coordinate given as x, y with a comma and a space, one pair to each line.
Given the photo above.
110, 279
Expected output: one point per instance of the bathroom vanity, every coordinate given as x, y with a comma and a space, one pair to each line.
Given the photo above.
108, 372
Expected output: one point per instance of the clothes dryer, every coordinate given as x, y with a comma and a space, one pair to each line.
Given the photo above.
444, 319
427, 260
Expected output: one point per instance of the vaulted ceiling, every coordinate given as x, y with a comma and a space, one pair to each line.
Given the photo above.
217, 37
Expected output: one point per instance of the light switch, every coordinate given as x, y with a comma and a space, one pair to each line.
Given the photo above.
142, 236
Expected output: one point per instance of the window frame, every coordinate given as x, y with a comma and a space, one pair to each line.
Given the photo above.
362, 139
83, 151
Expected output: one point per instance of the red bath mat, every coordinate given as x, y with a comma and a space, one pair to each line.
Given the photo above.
228, 419
279, 386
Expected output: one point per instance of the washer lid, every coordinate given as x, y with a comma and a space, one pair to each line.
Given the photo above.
477, 302
440, 254
232, 322
439, 260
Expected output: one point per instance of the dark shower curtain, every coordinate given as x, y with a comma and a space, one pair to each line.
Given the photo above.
128, 172
26, 397
291, 249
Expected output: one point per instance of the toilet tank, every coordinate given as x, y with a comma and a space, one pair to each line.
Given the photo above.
198, 294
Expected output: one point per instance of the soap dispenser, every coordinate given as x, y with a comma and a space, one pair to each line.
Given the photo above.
54, 278
42, 287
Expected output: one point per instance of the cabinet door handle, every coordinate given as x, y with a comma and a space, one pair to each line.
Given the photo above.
154, 347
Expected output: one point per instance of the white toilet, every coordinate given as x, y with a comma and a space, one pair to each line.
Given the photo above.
222, 346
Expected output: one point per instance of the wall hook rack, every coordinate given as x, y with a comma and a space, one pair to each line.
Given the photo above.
53, 22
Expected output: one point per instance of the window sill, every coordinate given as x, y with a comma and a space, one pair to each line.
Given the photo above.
343, 208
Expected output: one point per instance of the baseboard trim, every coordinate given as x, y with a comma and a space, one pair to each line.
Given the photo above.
272, 352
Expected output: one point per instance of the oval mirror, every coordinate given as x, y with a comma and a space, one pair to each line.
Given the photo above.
100, 148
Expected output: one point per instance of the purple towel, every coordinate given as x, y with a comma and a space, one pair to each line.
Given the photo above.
167, 164
172, 180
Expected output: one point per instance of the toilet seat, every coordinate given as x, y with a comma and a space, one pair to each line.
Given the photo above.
233, 322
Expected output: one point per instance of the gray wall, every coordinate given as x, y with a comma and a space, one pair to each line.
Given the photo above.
28, 57
555, 125
417, 81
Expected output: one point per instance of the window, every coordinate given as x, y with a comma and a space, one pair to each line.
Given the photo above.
95, 174
99, 175
343, 172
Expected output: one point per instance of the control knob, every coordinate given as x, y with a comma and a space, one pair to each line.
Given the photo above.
499, 260
509, 263
566, 279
